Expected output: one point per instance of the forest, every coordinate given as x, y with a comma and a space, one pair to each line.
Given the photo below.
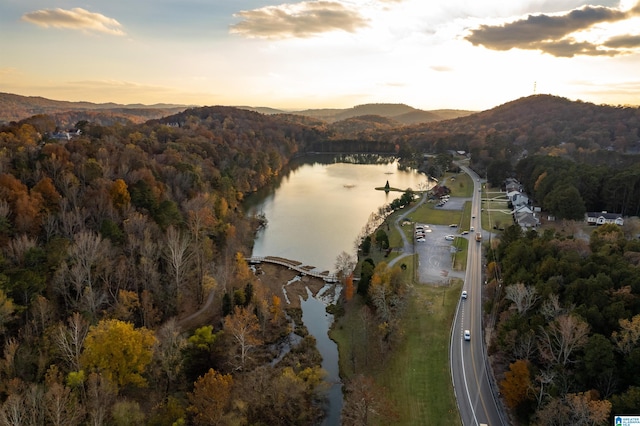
110, 238
566, 314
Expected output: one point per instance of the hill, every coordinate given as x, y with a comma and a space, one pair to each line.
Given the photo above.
539, 124
16, 108
401, 113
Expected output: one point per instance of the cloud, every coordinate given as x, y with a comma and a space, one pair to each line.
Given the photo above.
552, 33
300, 20
624, 41
74, 19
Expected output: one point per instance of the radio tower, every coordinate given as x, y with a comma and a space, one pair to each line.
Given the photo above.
535, 83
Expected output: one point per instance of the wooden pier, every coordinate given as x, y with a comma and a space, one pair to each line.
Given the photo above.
296, 266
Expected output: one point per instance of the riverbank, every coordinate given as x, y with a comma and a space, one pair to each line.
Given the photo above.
282, 282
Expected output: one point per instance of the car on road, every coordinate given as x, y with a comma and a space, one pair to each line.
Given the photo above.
464, 294
450, 238
465, 232
472, 229
473, 216
453, 225
420, 240
467, 335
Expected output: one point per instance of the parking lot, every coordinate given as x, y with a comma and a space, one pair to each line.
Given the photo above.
435, 256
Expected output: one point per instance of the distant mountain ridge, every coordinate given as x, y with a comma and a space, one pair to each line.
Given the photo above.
16, 107
400, 113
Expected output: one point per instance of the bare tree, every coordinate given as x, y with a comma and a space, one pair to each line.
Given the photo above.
70, 340
62, 406
525, 346
100, 397
169, 350
562, 337
42, 310
345, 264
523, 296
244, 327
18, 246
367, 403
543, 378
72, 221
177, 255
12, 412
551, 308
77, 277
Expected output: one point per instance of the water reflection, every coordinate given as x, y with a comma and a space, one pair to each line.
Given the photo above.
318, 209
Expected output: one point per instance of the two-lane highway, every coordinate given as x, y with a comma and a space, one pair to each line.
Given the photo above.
476, 400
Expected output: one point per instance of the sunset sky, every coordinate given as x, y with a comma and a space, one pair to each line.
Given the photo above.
432, 54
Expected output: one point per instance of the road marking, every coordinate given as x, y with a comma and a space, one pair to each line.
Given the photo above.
464, 374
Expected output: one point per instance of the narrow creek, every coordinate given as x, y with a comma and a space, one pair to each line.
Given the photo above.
318, 321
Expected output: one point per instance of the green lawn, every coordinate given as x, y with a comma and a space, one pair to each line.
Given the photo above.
495, 210
417, 375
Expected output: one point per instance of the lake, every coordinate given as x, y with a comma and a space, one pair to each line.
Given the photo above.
314, 212
318, 209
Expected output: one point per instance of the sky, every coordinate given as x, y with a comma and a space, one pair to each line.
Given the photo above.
295, 55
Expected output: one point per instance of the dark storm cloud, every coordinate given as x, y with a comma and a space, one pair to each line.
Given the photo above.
550, 33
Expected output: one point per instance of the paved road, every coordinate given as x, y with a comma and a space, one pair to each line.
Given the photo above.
407, 246
472, 381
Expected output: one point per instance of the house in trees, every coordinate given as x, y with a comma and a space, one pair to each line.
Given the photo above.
525, 217
600, 218
518, 199
512, 185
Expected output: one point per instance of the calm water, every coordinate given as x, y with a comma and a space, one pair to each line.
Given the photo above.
318, 210
313, 214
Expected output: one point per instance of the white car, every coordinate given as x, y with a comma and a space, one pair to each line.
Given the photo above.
471, 229
467, 335
421, 240
464, 294
449, 238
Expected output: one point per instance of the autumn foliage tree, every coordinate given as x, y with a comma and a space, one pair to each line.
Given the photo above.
119, 352
348, 287
210, 398
119, 194
516, 384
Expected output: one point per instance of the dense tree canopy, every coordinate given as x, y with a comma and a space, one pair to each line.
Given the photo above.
569, 311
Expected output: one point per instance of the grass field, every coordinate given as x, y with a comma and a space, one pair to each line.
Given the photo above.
417, 375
